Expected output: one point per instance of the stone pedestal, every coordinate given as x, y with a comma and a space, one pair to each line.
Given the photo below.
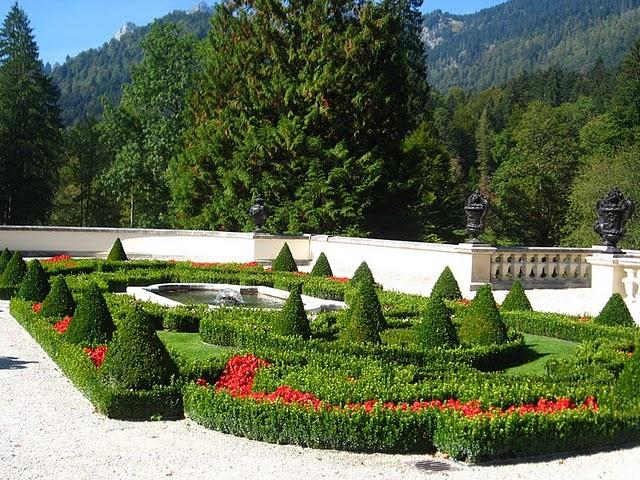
607, 278
472, 269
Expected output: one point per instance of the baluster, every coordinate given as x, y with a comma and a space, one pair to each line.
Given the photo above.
629, 284
541, 268
531, 267
496, 268
637, 298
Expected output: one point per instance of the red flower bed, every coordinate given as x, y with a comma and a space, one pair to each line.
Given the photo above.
63, 324
239, 373
339, 279
464, 301
205, 264
96, 354
36, 307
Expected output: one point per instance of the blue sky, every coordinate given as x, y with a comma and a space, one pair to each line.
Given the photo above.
67, 27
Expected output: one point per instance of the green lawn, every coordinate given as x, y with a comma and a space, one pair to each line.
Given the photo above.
189, 345
539, 351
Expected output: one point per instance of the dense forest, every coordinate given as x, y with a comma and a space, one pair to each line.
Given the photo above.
327, 112
494, 45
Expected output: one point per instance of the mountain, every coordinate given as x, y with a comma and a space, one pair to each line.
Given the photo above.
101, 72
494, 45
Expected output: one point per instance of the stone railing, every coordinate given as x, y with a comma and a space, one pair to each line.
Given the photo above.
541, 267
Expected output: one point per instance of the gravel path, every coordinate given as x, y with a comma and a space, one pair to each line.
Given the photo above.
48, 430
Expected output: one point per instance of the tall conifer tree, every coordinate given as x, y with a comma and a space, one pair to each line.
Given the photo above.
30, 138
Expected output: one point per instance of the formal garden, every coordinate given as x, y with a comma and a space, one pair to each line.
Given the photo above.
392, 372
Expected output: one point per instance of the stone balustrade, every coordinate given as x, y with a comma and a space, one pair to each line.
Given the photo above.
541, 267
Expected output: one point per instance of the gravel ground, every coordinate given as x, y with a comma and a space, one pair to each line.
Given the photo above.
48, 430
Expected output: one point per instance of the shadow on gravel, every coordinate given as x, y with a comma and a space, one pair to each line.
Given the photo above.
13, 363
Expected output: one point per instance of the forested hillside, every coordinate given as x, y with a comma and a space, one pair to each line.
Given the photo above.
95, 73
495, 45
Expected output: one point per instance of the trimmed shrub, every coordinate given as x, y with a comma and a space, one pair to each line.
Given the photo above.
117, 252
137, 359
516, 299
321, 268
481, 323
446, 287
627, 389
59, 302
293, 319
363, 272
4, 259
284, 262
35, 285
615, 313
92, 323
14, 272
435, 328
363, 316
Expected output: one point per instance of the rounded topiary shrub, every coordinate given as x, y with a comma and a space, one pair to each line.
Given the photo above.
516, 299
446, 287
363, 272
322, 268
615, 312
284, 262
481, 323
35, 285
117, 252
92, 323
136, 358
59, 302
363, 324
4, 259
14, 272
293, 319
435, 329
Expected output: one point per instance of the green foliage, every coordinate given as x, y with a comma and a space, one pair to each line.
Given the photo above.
92, 323
320, 129
362, 273
321, 268
446, 287
293, 318
364, 315
284, 262
35, 285
615, 312
481, 323
14, 272
30, 139
435, 329
59, 302
117, 253
4, 259
137, 359
627, 390
516, 299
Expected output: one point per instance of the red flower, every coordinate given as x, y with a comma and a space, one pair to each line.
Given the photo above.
464, 301
97, 354
36, 307
339, 279
63, 324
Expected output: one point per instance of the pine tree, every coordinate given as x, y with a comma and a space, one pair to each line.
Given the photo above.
30, 139
293, 319
435, 329
615, 312
516, 299
321, 268
92, 323
284, 261
14, 271
363, 323
4, 259
446, 287
59, 302
35, 286
482, 323
117, 253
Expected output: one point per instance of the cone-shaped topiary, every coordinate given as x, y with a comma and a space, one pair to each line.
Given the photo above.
627, 388
481, 323
293, 318
59, 302
136, 358
14, 272
4, 259
284, 262
446, 287
363, 323
117, 252
35, 286
322, 268
615, 312
435, 328
516, 299
92, 324
363, 272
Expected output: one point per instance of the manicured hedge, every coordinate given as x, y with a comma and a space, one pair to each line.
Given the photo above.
160, 402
